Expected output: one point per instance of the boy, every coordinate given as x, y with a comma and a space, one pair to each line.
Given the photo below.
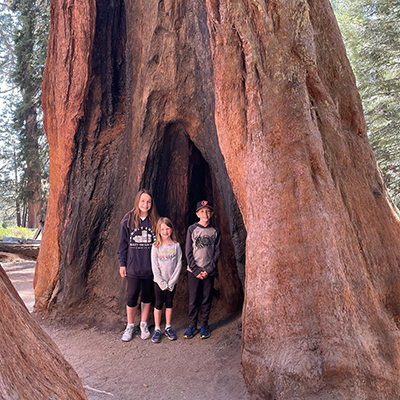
203, 242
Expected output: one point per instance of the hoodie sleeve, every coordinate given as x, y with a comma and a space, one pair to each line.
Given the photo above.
157, 278
175, 275
123, 244
211, 268
189, 253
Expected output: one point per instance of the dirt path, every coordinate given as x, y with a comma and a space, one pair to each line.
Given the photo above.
111, 369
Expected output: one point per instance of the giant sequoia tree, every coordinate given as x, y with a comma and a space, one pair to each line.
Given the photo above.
253, 104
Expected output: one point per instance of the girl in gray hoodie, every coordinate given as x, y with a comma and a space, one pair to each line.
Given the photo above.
166, 263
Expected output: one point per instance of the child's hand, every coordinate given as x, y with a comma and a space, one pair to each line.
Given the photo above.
122, 272
204, 274
199, 276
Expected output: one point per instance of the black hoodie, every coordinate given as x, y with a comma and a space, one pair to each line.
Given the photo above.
134, 250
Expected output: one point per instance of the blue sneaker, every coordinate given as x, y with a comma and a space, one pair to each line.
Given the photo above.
191, 331
170, 334
156, 336
204, 332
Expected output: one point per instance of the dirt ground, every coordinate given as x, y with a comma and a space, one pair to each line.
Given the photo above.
112, 369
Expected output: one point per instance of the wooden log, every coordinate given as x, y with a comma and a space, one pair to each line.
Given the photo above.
28, 250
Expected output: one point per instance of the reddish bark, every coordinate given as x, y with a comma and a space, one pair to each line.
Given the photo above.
65, 87
322, 281
254, 105
32, 367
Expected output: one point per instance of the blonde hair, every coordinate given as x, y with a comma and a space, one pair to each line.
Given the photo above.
168, 222
134, 214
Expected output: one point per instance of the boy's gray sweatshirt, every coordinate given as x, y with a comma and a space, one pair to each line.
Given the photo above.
203, 247
166, 263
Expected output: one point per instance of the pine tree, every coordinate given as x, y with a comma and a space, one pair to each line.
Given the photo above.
9, 138
30, 46
371, 32
9, 176
7, 57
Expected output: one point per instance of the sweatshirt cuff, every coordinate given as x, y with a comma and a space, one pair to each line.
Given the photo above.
210, 268
196, 270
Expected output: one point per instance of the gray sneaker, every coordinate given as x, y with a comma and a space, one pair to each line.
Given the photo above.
145, 334
128, 333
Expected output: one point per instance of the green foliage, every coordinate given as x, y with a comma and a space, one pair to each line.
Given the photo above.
371, 32
9, 161
24, 157
30, 51
18, 232
7, 58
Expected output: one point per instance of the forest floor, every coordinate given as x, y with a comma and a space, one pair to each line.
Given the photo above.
114, 370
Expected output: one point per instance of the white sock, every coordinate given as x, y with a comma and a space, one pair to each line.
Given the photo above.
143, 324
157, 328
167, 326
130, 325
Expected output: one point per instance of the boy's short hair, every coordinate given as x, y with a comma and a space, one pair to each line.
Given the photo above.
202, 204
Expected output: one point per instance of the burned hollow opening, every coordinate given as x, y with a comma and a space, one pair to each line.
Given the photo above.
179, 176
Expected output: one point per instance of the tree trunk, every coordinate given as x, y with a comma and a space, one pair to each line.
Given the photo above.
17, 201
18, 213
34, 211
32, 366
29, 250
254, 106
33, 172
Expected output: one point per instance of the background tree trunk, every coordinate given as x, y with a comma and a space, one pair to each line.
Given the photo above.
33, 176
253, 105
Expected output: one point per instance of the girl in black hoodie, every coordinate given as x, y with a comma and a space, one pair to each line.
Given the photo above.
134, 254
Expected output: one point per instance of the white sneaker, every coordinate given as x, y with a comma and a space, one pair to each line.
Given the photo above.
128, 333
145, 334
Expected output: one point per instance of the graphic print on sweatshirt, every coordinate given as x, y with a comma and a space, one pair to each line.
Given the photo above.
142, 238
204, 241
166, 254
202, 248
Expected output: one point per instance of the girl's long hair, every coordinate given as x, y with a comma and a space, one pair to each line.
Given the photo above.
134, 214
168, 222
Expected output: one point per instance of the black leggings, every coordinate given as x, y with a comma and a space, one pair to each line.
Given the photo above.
163, 296
134, 287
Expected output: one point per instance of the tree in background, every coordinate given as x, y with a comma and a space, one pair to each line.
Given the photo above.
9, 176
9, 151
371, 32
23, 55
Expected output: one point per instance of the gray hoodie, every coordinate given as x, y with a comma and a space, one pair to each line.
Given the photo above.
203, 245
